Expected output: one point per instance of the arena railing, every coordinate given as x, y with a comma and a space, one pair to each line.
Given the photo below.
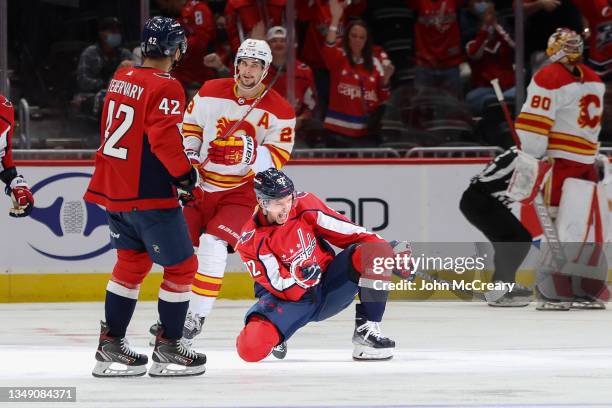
319, 153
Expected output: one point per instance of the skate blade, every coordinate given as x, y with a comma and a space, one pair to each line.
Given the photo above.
515, 303
175, 370
588, 306
114, 369
366, 353
553, 306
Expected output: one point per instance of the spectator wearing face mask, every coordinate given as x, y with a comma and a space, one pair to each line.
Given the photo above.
98, 63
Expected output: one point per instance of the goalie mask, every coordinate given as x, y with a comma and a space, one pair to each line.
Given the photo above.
255, 49
565, 46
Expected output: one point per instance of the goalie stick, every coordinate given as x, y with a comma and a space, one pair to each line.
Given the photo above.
550, 231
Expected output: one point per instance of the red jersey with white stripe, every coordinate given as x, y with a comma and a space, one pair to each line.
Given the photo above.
305, 94
199, 25
599, 15
491, 56
216, 109
7, 124
354, 93
268, 250
436, 33
562, 114
242, 16
318, 15
142, 150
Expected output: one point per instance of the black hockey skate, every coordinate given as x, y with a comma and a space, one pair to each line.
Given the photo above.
115, 358
174, 358
369, 342
519, 296
192, 328
280, 351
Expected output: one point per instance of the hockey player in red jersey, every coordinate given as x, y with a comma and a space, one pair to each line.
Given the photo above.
15, 185
232, 129
299, 279
561, 119
138, 168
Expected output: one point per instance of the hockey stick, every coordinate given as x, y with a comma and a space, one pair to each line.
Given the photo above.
550, 231
400, 247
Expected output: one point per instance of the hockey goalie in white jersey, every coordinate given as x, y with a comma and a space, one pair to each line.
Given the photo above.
561, 119
232, 129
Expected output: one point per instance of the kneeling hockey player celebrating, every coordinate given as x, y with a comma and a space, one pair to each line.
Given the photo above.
299, 279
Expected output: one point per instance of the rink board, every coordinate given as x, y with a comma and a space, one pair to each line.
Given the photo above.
62, 252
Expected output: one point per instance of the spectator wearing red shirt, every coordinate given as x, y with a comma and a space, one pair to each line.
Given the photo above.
243, 16
598, 14
199, 25
318, 16
305, 94
357, 87
491, 55
437, 40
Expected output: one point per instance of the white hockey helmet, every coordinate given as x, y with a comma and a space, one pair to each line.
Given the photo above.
257, 49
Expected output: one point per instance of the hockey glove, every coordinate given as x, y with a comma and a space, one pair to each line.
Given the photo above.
188, 189
23, 200
404, 250
194, 158
233, 150
307, 273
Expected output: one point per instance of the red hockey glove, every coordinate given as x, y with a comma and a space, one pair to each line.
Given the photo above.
23, 200
406, 267
233, 150
306, 273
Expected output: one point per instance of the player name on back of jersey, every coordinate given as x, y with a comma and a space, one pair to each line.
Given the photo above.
125, 88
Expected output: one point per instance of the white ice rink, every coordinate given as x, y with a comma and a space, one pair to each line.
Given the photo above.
448, 355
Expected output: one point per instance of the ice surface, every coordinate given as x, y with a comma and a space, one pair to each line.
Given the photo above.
448, 355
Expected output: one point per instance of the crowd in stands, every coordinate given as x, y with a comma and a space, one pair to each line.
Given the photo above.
370, 73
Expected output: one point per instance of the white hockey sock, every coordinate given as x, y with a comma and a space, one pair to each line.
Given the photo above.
212, 258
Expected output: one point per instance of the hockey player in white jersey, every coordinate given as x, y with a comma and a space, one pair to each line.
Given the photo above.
561, 119
233, 128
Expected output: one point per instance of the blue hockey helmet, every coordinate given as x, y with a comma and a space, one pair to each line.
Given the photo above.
271, 184
161, 36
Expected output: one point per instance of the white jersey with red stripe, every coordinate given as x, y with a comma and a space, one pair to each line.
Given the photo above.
270, 250
215, 110
562, 115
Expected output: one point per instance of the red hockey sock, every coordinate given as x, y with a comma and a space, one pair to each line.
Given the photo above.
257, 339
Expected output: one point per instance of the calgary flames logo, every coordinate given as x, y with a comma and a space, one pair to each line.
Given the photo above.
584, 118
224, 126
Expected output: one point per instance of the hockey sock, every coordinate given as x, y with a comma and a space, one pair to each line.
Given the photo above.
373, 303
212, 258
257, 339
172, 316
119, 307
